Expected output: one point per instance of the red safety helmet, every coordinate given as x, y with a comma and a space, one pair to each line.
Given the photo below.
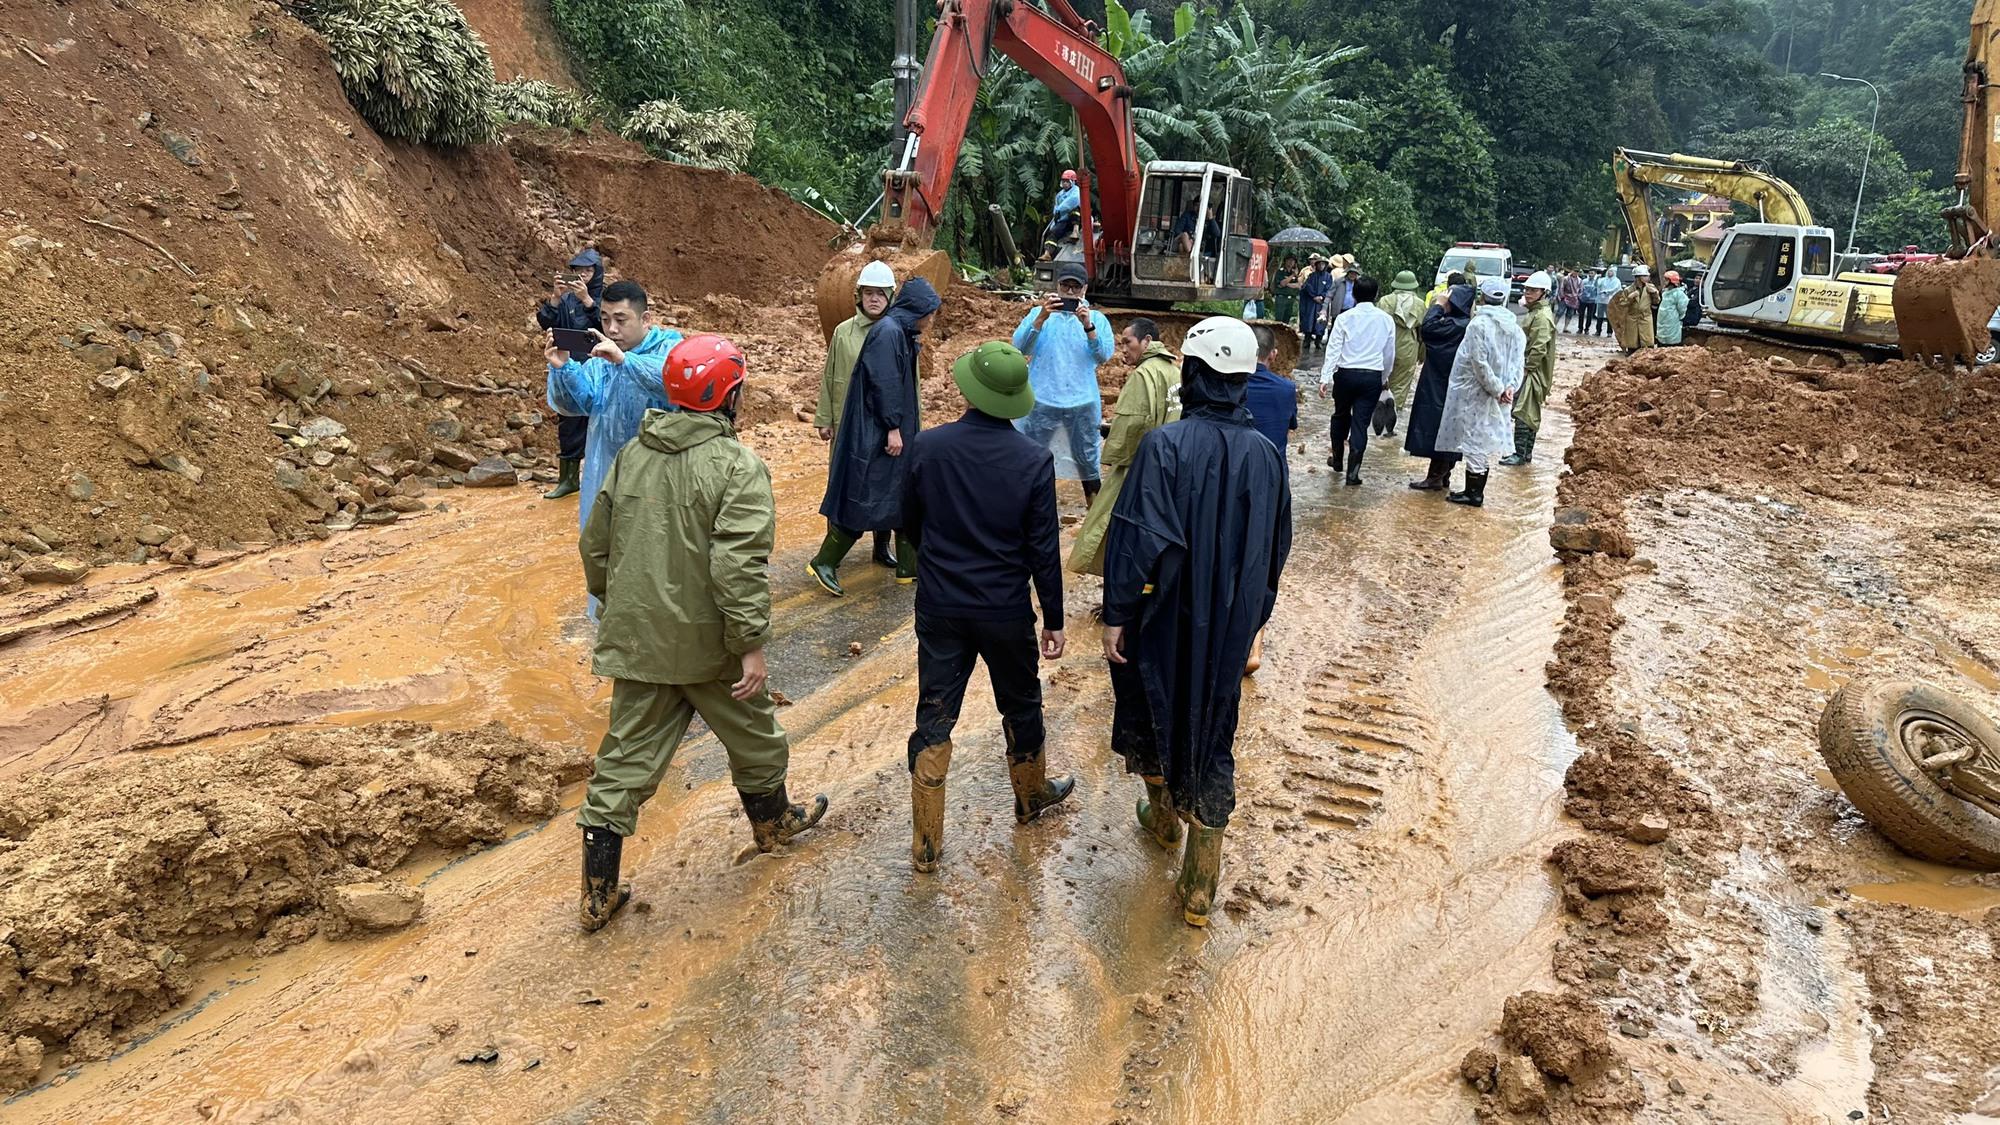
701, 371
1069, 173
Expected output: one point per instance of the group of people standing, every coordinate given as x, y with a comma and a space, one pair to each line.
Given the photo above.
1637, 313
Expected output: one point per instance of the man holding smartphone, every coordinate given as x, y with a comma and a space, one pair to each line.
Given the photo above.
1065, 339
573, 303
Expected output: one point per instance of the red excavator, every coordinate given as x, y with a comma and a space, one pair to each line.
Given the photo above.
1160, 233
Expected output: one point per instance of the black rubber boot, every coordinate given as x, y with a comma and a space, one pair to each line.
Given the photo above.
1090, 491
568, 479
1034, 793
906, 560
1524, 446
1354, 469
603, 894
1474, 495
883, 555
1337, 459
824, 565
774, 819
1436, 479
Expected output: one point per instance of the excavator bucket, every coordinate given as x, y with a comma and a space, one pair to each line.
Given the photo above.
1942, 309
834, 295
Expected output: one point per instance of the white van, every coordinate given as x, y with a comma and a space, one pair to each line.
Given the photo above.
1486, 259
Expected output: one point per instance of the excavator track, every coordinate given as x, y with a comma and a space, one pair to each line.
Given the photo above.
1803, 352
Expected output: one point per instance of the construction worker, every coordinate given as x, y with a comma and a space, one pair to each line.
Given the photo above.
864, 485
677, 549
980, 500
1150, 399
1359, 356
1673, 307
1485, 378
1198, 540
1063, 218
874, 289
1631, 311
1441, 331
1541, 368
1407, 310
613, 387
572, 303
1065, 339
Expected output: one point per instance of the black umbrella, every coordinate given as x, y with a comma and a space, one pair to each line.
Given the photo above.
1299, 236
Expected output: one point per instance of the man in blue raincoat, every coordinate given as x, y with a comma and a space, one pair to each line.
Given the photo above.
614, 386
864, 482
1198, 539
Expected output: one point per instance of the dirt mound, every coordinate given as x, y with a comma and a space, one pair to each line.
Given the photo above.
208, 252
122, 880
520, 38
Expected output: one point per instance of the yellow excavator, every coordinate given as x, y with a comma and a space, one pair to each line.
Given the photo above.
1777, 279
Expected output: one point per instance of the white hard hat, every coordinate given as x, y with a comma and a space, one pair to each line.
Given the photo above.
1539, 280
877, 275
1642, 271
1224, 343
1494, 288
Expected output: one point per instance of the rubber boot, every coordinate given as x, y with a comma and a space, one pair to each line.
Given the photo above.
1353, 470
1157, 815
1436, 479
568, 479
1474, 495
1034, 793
1090, 490
906, 560
1524, 446
883, 555
1201, 868
927, 806
1336, 459
774, 819
825, 565
603, 894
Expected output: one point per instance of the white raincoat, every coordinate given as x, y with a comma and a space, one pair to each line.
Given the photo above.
1491, 361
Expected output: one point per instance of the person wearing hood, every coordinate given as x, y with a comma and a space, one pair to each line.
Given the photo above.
1198, 540
864, 484
613, 387
979, 500
1407, 309
1443, 327
1631, 311
873, 291
678, 548
1673, 311
1065, 339
1540, 368
1314, 316
1150, 399
1486, 371
573, 303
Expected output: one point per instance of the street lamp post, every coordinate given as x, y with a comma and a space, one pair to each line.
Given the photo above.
1867, 151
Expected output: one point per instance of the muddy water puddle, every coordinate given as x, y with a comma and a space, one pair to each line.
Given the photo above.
1384, 886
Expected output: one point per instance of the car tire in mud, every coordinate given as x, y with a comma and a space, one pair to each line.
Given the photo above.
1864, 737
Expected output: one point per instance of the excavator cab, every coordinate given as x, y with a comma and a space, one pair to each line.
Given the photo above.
1193, 241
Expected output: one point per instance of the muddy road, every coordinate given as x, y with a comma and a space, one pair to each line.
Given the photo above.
1384, 883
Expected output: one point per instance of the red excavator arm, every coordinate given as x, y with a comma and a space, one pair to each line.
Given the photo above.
1060, 49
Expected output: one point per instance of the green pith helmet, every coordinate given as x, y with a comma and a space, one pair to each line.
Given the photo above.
994, 379
1405, 282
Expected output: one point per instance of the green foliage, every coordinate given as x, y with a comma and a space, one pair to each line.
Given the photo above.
719, 138
531, 101
1823, 161
413, 68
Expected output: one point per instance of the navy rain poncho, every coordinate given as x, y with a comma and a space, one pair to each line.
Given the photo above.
1441, 331
1198, 538
864, 485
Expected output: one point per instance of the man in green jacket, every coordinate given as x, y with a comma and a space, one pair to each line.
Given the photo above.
873, 291
1540, 364
1406, 308
1150, 399
677, 549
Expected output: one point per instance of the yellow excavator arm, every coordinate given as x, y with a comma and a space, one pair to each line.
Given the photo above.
1634, 171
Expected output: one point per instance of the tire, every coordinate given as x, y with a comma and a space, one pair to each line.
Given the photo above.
1861, 736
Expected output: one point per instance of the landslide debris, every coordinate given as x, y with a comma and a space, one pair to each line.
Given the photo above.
120, 881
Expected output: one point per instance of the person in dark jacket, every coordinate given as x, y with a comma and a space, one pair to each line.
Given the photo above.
1443, 327
1314, 317
1198, 540
864, 482
979, 502
573, 303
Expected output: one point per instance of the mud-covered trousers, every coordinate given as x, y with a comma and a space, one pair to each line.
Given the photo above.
946, 650
647, 723
1206, 788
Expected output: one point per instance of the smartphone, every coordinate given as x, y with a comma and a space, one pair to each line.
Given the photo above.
1069, 304
575, 341
569, 278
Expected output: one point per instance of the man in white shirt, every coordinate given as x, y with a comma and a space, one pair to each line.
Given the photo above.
1359, 356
